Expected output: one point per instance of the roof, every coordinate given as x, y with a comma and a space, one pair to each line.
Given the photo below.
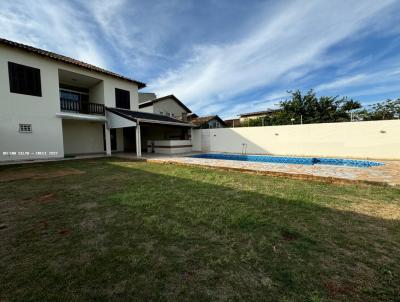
258, 112
199, 121
171, 96
192, 115
146, 96
68, 60
232, 122
138, 116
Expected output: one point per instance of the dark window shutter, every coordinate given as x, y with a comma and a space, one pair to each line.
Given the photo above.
24, 79
122, 98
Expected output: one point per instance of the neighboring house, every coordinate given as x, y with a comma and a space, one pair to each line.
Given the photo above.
232, 123
192, 116
208, 122
168, 105
54, 106
146, 96
255, 115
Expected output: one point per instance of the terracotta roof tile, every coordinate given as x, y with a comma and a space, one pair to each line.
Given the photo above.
68, 60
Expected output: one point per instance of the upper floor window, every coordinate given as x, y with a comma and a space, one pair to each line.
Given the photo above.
122, 98
73, 95
24, 79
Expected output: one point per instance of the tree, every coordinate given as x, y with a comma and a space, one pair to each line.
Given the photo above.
325, 109
387, 110
312, 109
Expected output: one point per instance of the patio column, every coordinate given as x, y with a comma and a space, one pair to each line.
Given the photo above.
138, 141
108, 139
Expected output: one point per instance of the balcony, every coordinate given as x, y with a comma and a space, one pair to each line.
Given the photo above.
81, 107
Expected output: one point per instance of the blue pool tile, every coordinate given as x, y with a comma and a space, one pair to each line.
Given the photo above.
291, 160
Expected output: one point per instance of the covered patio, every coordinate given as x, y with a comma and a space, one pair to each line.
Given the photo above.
148, 132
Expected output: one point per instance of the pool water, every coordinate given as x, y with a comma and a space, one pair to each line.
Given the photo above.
292, 160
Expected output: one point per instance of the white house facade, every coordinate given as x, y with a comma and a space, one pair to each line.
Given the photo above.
168, 105
53, 106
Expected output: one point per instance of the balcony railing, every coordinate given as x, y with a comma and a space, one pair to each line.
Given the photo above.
81, 107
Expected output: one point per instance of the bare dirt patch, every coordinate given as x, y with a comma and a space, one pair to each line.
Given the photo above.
46, 197
336, 288
378, 209
365, 206
289, 236
88, 205
64, 232
6, 176
43, 224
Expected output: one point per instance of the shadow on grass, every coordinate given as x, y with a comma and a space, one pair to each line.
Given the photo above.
139, 232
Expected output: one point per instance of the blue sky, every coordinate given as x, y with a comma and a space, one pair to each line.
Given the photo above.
224, 56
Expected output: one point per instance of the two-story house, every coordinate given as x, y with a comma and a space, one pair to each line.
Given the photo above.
168, 105
53, 106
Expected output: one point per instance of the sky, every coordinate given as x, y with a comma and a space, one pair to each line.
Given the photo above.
224, 57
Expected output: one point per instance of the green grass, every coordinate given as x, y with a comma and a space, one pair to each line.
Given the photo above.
140, 231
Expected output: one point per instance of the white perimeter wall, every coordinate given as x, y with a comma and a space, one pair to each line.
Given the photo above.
375, 139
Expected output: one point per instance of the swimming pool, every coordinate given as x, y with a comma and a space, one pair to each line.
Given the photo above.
292, 160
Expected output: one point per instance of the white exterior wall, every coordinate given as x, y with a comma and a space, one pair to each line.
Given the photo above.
120, 139
16, 108
96, 93
251, 117
375, 140
109, 92
169, 105
148, 109
81, 137
47, 132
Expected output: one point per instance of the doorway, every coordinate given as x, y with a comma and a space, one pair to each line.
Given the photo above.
113, 137
129, 139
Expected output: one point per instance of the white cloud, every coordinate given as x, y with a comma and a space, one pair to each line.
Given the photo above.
136, 31
290, 43
384, 75
342, 82
280, 46
53, 25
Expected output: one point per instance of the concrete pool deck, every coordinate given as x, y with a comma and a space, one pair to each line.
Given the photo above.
388, 174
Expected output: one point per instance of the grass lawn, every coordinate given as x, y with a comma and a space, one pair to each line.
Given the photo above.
140, 231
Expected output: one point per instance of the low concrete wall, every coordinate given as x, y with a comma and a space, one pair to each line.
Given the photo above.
169, 146
375, 139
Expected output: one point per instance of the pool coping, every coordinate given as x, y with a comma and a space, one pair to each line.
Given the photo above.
298, 176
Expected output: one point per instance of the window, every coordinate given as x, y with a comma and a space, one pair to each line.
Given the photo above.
24, 79
161, 112
167, 113
73, 95
25, 128
122, 99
